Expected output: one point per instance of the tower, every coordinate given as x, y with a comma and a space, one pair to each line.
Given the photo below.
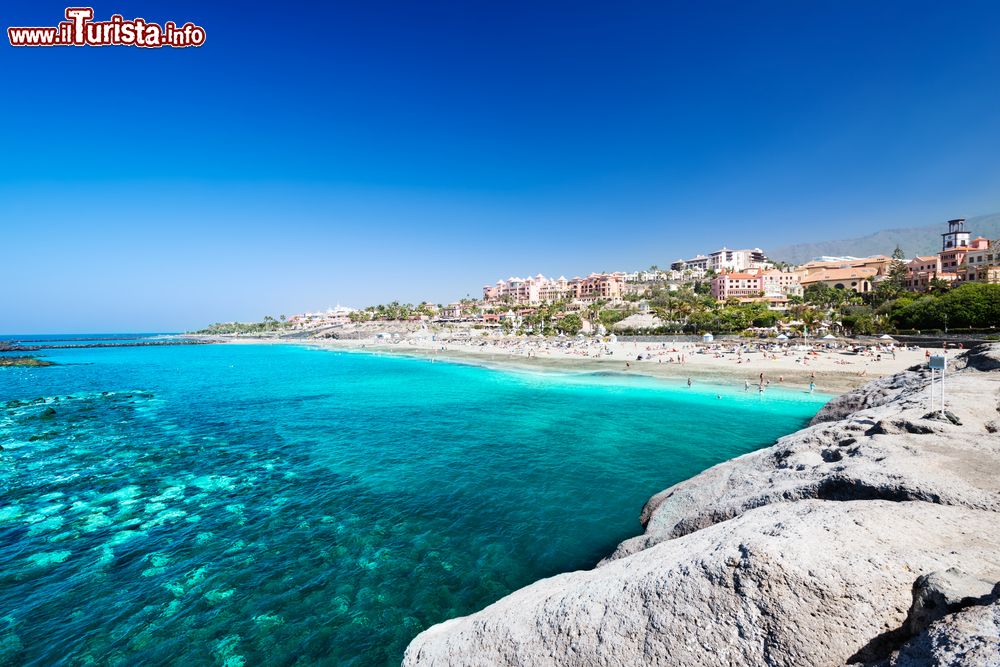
956, 236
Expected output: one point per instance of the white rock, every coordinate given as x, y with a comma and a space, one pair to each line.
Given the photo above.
804, 553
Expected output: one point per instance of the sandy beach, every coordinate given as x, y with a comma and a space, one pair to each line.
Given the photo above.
833, 369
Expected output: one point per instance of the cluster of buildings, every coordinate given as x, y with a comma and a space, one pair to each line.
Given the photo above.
615, 286
748, 275
724, 260
745, 275
321, 318
770, 285
858, 274
960, 259
539, 289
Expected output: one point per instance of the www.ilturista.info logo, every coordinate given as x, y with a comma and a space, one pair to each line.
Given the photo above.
80, 29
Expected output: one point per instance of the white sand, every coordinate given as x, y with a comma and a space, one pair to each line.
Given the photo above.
833, 370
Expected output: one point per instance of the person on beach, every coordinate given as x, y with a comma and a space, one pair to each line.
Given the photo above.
812, 387
689, 383
746, 385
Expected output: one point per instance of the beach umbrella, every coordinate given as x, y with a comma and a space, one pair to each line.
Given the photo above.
886, 337
829, 337
782, 337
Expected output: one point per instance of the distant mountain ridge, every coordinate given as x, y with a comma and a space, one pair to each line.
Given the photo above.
924, 240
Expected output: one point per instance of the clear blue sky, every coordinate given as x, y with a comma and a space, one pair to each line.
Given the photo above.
369, 151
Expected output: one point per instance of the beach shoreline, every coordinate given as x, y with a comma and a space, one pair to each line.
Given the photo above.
831, 371
839, 530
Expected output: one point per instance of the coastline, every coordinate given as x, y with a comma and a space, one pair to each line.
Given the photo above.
835, 373
869, 537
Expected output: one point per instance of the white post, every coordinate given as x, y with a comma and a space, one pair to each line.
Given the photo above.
932, 391
942, 379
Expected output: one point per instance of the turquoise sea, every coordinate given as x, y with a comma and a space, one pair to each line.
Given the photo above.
279, 505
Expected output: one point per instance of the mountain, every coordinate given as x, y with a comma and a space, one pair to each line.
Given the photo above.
925, 240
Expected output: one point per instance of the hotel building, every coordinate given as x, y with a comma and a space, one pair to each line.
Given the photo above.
920, 271
982, 264
771, 285
725, 259
854, 273
960, 259
539, 289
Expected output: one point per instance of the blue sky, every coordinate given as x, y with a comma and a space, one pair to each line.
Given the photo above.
370, 151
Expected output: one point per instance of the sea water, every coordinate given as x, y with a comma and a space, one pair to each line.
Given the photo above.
281, 505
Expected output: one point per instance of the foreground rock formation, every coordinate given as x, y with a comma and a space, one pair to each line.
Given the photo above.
871, 537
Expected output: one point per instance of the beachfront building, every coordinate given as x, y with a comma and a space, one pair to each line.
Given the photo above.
769, 285
779, 284
743, 286
860, 279
921, 270
880, 264
598, 287
960, 259
955, 244
539, 289
552, 290
696, 263
981, 264
953, 258
517, 290
329, 317
458, 311
725, 259
648, 276
854, 273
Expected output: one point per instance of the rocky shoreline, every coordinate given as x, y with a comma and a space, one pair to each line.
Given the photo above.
870, 537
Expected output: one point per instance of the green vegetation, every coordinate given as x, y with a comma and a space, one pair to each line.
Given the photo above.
394, 312
968, 306
570, 324
894, 284
267, 325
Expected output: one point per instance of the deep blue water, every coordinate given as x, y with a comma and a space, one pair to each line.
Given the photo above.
277, 505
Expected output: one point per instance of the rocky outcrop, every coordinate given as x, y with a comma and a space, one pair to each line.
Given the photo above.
875, 393
871, 536
970, 636
638, 322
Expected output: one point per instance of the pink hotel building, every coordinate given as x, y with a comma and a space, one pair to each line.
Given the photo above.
771, 285
959, 259
539, 289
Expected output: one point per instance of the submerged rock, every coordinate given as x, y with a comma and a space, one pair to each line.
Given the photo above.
870, 536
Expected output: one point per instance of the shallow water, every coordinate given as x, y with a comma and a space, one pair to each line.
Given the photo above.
276, 505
